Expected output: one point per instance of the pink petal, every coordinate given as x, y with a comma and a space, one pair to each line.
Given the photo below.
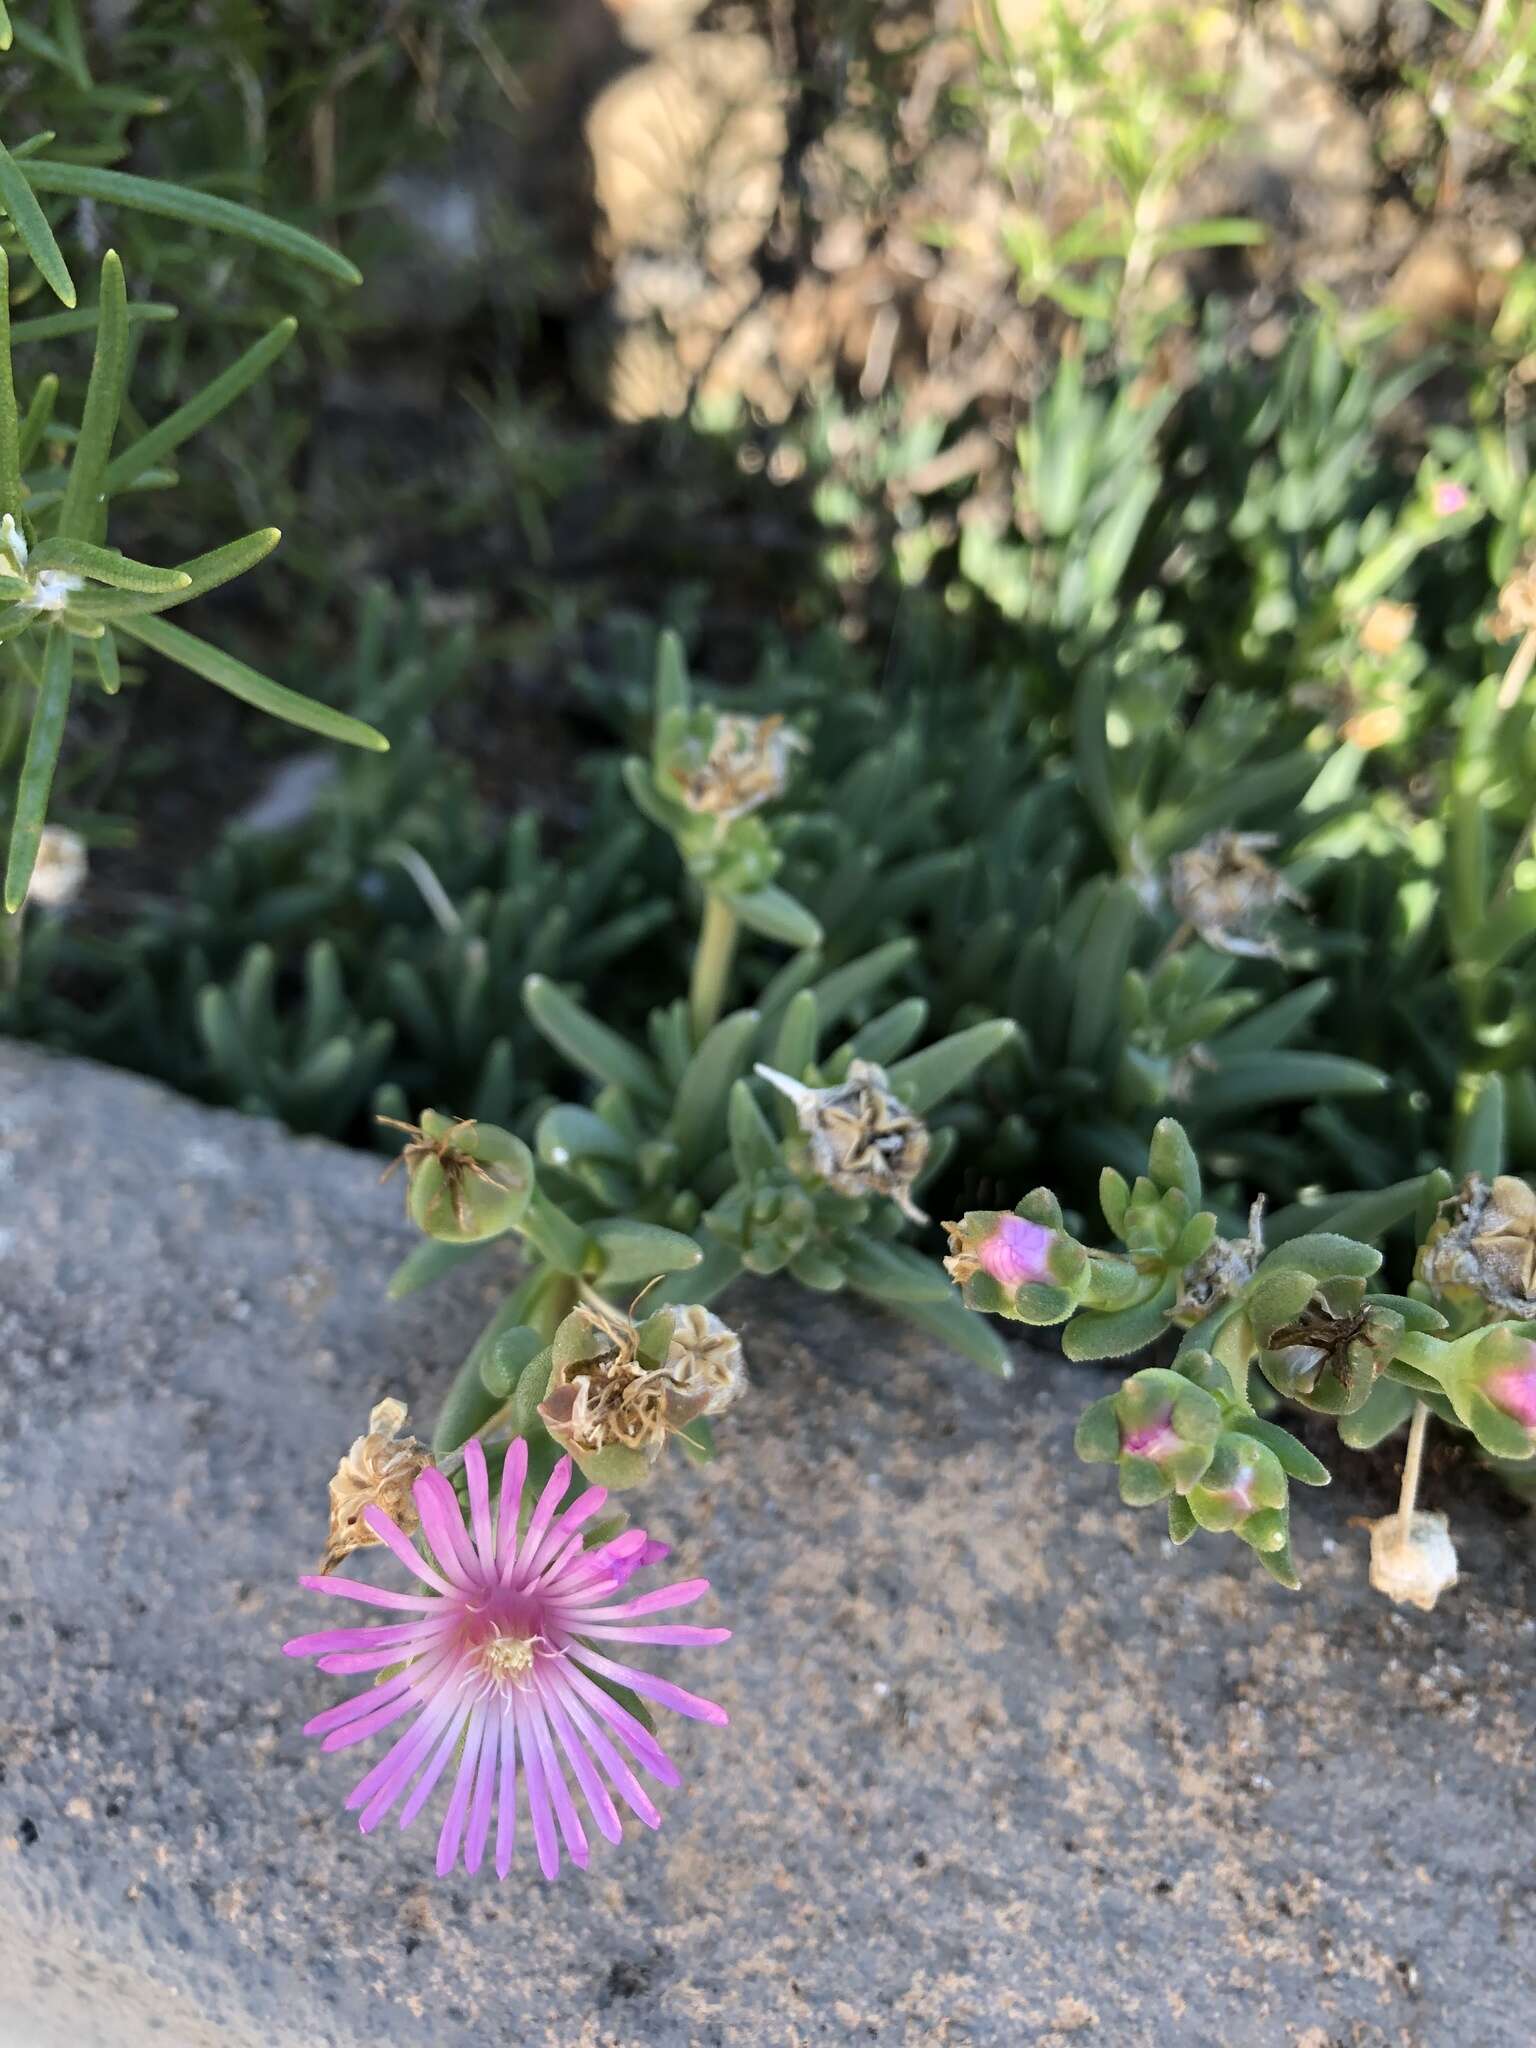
371, 1596
438, 1506
513, 1473
480, 1503
352, 1709
538, 1797
625, 1783
657, 1689
408, 1702
485, 1790
333, 1639
506, 1805
683, 1594
421, 1791
377, 1792
565, 1807
554, 1492
593, 1789
390, 1533
458, 1806
549, 1558
635, 1736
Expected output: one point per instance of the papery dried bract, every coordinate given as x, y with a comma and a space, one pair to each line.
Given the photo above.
379, 1471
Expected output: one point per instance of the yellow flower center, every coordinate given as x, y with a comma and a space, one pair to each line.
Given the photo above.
504, 1658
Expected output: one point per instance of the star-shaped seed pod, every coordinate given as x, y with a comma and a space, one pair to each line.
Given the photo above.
861, 1139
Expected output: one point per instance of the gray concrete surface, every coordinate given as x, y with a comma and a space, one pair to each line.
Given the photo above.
1001, 1770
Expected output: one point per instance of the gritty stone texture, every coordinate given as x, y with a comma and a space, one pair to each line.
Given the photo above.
1002, 1769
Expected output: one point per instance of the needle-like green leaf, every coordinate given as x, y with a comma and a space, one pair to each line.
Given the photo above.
214, 666
197, 209
82, 515
39, 413
43, 742
10, 425
31, 224
203, 573
187, 419
105, 651
54, 326
108, 566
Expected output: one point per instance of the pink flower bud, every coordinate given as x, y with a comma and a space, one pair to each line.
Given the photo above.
1449, 498
1017, 1252
1513, 1388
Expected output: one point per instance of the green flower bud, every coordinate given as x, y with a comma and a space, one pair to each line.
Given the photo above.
1159, 1428
1491, 1382
1242, 1483
465, 1181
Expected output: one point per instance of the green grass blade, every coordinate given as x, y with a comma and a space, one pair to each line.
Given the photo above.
107, 565
39, 413
187, 419
205, 572
82, 515
250, 685
31, 224
10, 424
43, 742
55, 326
196, 209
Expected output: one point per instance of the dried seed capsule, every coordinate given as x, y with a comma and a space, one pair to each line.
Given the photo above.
379, 1471
1226, 890
860, 1138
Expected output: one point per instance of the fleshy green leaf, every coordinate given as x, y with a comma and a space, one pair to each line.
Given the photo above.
588, 1044
924, 1079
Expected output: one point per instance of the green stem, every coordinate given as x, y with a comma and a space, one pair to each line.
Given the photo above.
712, 957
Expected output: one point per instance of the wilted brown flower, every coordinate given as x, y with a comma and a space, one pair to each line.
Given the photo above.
1386, 627
1227, 891
747, 765
1516, 613
1222, 1270
863, 1141
1484, 1243
613, 1399
379, 1471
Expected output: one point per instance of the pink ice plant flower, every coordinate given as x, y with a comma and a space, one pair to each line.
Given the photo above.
1450, 498
1016, 1251
498, 1668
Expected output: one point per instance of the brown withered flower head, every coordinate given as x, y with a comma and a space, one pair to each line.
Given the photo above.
1483, 1243
705, 1357
1227, 891
1223, 1269
1516, 613
862, 1139
615, 1398
379, 1471
746, 766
